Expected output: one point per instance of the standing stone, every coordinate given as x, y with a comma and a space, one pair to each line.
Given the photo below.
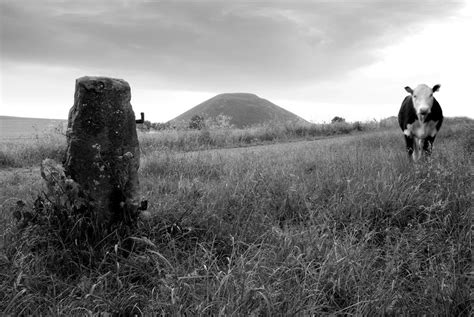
102, 152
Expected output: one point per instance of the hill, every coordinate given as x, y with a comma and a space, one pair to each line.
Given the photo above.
18, 127
244, 110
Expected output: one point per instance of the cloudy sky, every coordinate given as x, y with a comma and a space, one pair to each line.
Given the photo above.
317, 59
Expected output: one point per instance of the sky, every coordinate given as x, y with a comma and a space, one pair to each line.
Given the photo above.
317, 59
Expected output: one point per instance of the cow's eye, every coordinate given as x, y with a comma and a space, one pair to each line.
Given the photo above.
414, 96
431, 95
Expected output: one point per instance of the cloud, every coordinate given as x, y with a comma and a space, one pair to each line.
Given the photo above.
211, 45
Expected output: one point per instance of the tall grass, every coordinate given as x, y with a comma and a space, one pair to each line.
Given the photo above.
335, 226
52, 143
191, 140
30, 152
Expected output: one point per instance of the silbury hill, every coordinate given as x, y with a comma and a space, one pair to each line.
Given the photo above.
244, 110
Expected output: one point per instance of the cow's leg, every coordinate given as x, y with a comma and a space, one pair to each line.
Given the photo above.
418, 144
410, 144
428, 145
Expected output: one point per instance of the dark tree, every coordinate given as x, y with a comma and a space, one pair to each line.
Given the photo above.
338, 119
196, 122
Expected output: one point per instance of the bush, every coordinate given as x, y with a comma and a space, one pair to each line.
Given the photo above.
338, 119
196, 122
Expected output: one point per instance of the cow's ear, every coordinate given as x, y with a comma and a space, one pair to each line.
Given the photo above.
408, 89
436, 87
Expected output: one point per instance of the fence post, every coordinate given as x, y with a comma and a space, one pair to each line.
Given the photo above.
103, 153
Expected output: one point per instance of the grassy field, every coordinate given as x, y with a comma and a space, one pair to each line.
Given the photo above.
51, 143
344, 225
26, 128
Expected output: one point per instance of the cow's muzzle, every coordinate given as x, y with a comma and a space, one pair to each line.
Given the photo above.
423, 114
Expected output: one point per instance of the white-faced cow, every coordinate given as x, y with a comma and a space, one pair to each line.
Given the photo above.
420, 119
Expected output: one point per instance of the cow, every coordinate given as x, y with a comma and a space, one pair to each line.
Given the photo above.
420, 119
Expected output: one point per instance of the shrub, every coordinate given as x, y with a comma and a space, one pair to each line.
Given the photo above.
338, 119
196, 122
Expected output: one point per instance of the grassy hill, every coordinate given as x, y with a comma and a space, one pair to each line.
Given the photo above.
17, 127
243, 108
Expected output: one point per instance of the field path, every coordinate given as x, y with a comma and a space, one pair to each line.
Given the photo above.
255, 148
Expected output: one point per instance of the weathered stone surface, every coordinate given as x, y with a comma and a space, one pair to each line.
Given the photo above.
103, 153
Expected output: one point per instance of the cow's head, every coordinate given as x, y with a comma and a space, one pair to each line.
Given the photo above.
422, 97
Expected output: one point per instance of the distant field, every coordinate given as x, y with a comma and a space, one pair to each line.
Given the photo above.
17, 127
50, 142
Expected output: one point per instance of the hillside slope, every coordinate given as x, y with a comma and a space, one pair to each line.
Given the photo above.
18, 127
243, 108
